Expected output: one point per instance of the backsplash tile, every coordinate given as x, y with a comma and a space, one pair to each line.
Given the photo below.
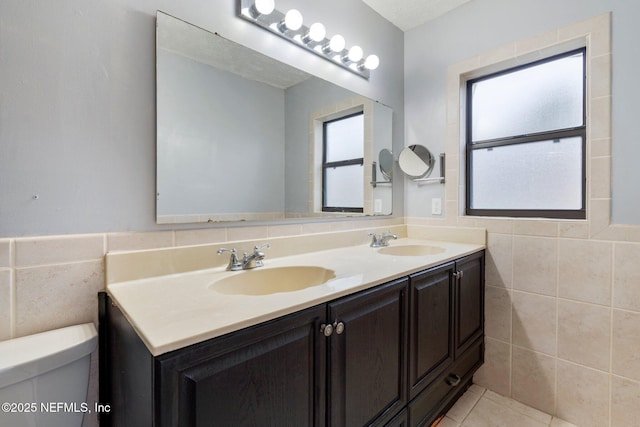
55, 296
200, 236
5, 253
247, 233
137, 241
5, 304
58, 249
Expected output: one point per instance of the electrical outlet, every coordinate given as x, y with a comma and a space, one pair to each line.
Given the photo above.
377, 206
436, 206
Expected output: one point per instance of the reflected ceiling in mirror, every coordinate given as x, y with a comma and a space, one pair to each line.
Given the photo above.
237, 135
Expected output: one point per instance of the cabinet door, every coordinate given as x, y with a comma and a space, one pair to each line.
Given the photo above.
272, 374
469, 301
367, 369
430, 326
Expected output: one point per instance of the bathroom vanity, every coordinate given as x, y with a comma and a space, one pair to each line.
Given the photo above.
394, 350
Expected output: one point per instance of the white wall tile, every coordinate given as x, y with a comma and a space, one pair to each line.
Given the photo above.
535, 264
55, 296
58, 249
583, 395
626, 344
584, 334
585, 270
5, 304
534, 322
626, 287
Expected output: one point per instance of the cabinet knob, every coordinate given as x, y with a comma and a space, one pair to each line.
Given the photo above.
327, 330
458, 274
339, 327
453, 380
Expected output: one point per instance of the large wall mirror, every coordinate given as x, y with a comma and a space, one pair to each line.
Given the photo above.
240, 136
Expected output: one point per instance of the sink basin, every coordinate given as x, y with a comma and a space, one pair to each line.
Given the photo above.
265, 281
411, 250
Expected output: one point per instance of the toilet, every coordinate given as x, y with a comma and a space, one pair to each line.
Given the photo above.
44, 377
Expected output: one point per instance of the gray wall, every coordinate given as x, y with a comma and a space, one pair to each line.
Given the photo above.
217, 132
77, 111
481, 25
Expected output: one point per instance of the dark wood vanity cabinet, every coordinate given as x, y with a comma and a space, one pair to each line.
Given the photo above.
393, 355
256, 377
291, 371
367, 369
446, 341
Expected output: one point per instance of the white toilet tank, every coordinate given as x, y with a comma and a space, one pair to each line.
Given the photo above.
44, 377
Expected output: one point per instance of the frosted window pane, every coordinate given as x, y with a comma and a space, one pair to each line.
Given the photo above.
541, 98
535, 175
345, 138
344, 187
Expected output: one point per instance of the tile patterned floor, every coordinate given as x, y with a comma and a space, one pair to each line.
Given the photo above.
479, 407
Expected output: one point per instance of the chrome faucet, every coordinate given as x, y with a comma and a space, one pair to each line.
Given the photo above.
381, 240
248, 261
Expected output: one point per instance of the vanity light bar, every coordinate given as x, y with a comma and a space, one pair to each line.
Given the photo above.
290, 26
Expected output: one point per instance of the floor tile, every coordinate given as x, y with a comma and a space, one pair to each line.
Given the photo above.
488, 413
480, 407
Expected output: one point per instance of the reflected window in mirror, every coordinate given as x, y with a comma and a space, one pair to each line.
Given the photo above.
356, 159
343, 164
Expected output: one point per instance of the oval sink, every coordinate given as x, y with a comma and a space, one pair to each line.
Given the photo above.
411, 250
265, 281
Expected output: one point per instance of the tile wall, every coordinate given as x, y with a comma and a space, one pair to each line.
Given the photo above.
562, 297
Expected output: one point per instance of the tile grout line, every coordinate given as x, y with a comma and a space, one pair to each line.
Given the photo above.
556, 356
473, 407
13, 291
611, 330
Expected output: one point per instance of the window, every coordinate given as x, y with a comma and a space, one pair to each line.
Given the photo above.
343, 163
525, 140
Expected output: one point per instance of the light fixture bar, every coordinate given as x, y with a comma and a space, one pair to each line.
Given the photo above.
306, 37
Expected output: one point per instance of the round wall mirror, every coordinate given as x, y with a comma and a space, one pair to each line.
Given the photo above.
385, 159
416, 161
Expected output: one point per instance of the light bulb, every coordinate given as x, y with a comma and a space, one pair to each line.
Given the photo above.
317, 32
355, 54
337, 43
372, 62
293, 20
264, 7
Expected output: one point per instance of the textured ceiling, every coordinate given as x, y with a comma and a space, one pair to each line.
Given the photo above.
406, 14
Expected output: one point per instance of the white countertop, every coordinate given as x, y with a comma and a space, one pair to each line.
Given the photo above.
173, 311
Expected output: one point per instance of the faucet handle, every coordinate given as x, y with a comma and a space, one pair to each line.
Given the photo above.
234, 262
256, 248
375, 239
